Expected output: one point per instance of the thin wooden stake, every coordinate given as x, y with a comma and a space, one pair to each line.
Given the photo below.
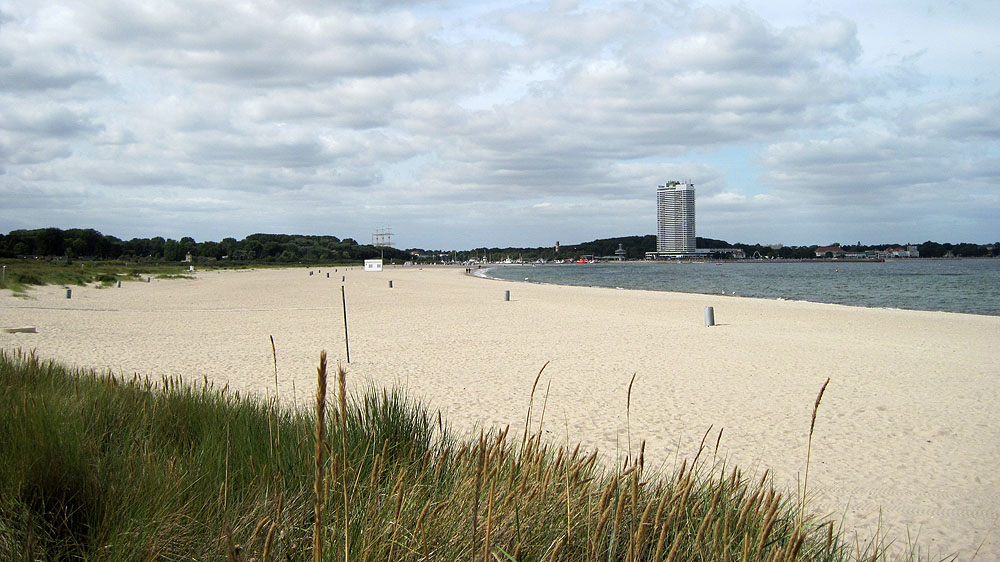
347, 346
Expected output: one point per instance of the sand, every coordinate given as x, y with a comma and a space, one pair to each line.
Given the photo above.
907, 430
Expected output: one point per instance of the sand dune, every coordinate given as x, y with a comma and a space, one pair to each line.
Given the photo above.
907, 426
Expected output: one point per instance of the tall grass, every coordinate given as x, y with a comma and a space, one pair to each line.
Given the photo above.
99, 467
21, 274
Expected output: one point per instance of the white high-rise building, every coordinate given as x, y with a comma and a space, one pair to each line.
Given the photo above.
675, 219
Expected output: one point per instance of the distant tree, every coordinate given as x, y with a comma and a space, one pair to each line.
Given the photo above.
710, 243
156, 245
931, 250
136, 248
969, 251
270, 249
76, 248
253, 249
50, 242
108, 248
228, 246
172, 250
83, 241
209, 250
187, 246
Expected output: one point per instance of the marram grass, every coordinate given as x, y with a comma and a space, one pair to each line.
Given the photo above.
108, 468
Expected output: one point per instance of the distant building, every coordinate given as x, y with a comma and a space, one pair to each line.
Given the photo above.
910, 251
836, 251
675, 219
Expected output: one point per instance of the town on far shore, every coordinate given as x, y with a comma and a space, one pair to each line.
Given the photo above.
675, 239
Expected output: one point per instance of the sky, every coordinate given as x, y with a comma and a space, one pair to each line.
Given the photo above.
459, 124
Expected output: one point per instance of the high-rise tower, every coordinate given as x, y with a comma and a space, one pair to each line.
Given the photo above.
675, 218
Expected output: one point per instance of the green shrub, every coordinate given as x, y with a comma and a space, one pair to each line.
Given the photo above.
27, 278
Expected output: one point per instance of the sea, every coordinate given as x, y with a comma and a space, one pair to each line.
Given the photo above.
969, 286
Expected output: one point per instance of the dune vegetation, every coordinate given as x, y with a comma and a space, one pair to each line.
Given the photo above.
20, 274
110, 468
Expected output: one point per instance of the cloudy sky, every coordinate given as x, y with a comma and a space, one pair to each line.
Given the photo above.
465, 124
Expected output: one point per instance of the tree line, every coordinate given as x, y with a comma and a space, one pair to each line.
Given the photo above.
88, 243
636, 247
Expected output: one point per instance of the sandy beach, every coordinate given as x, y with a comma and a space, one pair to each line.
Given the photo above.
907, 430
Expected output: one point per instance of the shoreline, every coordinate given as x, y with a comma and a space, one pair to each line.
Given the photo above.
906, 426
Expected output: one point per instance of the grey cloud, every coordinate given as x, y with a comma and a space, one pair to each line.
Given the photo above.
20, 79
862, 169
263, 45
292, 153
132, 174
356, 103
569, 129
739, 41
21, 194
57, 122
956, 119
832, 35
40, 56
560, 33
23, 152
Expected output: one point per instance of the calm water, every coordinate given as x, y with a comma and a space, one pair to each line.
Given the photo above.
971, 286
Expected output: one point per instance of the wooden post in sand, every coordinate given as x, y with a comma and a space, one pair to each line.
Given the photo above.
347, 346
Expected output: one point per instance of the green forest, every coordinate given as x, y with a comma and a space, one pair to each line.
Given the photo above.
257, 248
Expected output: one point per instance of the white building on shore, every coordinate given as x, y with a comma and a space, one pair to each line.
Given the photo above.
675, 235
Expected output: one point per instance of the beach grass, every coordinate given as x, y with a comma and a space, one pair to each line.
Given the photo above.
20, 274
23, 273
103, 467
